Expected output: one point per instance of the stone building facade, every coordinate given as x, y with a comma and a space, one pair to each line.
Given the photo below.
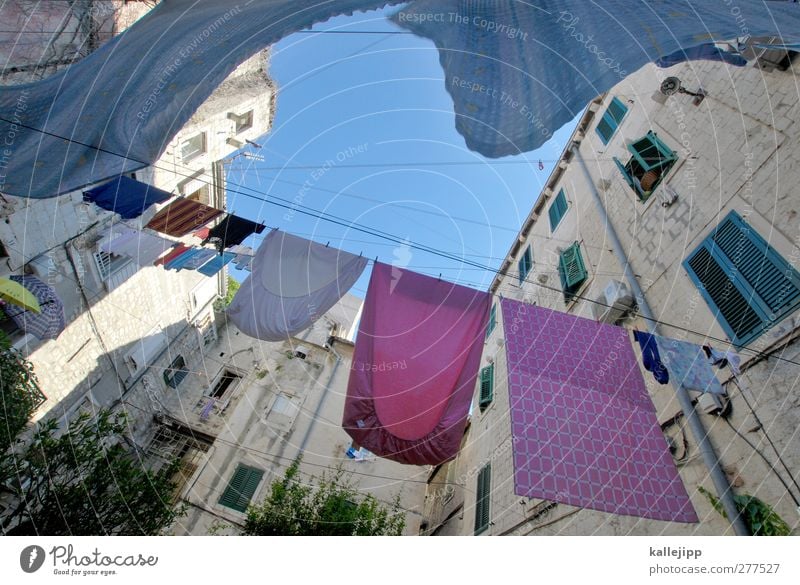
670, 173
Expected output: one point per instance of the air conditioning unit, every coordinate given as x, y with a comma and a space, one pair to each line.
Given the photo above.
613, 302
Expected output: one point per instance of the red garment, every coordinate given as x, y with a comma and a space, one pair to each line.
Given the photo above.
181, 217
177, 251
416, 359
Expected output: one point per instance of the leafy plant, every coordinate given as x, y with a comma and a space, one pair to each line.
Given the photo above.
759, 517
85, 482
330, 508
19, 393
222, 303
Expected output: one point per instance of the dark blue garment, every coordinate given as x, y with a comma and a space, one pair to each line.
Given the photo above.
708, 51
126, 196
650, 357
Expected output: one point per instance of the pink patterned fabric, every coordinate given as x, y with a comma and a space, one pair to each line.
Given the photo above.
416, 360
584, 428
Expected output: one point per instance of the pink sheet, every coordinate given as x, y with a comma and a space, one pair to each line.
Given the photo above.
584, 428
416, 360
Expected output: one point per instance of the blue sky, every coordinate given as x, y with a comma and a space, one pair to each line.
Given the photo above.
371, 99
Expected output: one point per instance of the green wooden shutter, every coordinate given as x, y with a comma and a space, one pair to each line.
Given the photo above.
651, 152
241, 488
613, 115
557, 210
484, 489
604, 129
492, 320
487, 387
525, 264
571, 263
616, 111
743, 280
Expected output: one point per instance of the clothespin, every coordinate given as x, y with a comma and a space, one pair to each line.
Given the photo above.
326, 245
440, 277
361, 253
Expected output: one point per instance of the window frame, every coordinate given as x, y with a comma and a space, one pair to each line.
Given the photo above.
230, 390
611, 120
242, 122
202, 149
525, 264
492, 320
176, 372
759, 306
483, 499
666, 162
486, 387
570, 282
558, 209
108, 264
239, 498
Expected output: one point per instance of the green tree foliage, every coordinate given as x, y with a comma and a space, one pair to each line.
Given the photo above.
19, 393
233, 286
759, 517
330, 508
85, 482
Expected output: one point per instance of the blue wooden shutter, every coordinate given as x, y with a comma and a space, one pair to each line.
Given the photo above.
484, 489
525, 264
743, 280
487, 387
241, 488
611, 118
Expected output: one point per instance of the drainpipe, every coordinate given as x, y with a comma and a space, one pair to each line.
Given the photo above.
699, 432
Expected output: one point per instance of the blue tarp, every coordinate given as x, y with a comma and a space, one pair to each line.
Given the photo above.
126, 196
212, 267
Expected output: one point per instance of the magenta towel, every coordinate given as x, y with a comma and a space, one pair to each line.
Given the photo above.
415, 364
584, 428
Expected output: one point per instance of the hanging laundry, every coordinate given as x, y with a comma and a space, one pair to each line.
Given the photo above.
199, 259
126, 196
142, 247
584, 429
232, 231
181, 217
180, 262
415, 364
294, 282
174, 253
513, 83
202, 233
519, 71
687, 365
216, 264
650, 357
724, 358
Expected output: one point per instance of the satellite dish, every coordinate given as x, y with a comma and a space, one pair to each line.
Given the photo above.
670, 86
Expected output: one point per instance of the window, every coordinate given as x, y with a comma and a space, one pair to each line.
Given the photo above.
650, 162
525, 264
243, 122
225, 384
572, 271
613, 115
487, 387
176, 372
745, 282
194, 146
492, 320
241, 488
558, 210
482, 501
109, 264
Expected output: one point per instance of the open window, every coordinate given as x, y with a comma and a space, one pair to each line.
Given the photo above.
650, 162
194, 146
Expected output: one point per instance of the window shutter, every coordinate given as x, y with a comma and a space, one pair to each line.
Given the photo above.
241, 488
616, 111
487, 386
558, 209
604, 129
492, 320
482, 500
743, 279
571, 264
626, 175
525, 264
